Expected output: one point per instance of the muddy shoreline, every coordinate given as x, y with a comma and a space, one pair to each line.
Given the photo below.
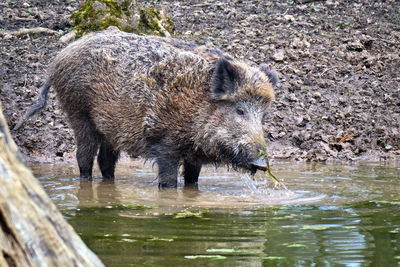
339, 94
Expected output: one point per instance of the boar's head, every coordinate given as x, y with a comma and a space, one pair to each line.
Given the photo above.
232, 129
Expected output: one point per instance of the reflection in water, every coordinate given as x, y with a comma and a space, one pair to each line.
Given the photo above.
333, 215
101, 193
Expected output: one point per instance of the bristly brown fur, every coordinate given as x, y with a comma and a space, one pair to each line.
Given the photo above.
254, 84
160, 98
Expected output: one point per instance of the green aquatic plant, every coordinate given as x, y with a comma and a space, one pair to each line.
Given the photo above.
264, 154
132, 207
188, 214
394, 203
273, 258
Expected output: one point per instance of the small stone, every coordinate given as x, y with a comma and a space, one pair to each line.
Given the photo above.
388, 147
278, 55
370, 61
7, 36
297, 43
342, 100
289, 18
299, 121
292, 97
317, 95
355, 46
302, 7
246, 42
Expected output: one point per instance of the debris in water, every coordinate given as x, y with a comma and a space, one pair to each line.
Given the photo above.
211, 257
294, 245
227, 250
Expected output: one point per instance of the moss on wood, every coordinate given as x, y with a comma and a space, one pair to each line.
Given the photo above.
96, 15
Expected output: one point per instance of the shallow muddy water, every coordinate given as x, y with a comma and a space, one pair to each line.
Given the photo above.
331, 215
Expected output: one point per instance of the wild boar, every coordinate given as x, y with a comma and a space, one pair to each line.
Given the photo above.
162, 99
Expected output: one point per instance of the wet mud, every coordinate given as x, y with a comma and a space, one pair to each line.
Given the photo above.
338, 61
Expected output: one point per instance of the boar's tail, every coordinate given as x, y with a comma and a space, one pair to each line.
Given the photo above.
44, 90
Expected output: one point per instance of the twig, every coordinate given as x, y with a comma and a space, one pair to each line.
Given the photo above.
24, 31
347, 137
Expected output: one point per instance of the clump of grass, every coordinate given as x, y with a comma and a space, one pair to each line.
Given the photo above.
342, 25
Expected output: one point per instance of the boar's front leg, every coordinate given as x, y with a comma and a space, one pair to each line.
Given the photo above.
107, 159
167, 171
191, 171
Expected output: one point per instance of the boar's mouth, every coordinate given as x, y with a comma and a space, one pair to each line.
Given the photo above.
260, 163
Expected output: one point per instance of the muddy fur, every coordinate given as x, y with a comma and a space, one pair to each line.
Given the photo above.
161, 99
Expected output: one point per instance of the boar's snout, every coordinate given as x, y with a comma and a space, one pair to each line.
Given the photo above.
260, 163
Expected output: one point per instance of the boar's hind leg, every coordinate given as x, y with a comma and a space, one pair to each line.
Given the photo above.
87, 141
107, 159
167, 172
191, 171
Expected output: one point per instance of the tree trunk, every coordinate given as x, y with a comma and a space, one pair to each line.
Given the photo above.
32, 231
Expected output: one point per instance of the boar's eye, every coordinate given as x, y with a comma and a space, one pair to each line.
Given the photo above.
240, 111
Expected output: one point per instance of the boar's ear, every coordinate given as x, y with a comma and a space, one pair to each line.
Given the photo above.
272, 75
223, 83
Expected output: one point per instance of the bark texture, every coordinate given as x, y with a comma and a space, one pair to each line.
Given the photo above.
32, 231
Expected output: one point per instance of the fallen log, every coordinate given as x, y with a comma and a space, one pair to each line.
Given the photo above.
32, 231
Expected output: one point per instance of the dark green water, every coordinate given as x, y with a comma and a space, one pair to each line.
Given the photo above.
333, 215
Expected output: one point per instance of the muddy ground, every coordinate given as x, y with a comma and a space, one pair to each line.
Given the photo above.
339, 95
